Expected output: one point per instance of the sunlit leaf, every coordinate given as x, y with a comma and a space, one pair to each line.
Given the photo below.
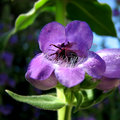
25, 20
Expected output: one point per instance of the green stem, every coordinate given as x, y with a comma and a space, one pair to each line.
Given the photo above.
60, 11
65, 112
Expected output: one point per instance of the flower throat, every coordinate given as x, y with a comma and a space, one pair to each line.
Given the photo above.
64, 53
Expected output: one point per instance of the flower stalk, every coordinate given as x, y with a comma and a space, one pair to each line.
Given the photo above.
65, 112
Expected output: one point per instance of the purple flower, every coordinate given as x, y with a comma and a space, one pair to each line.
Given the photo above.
107, 84
7, 57
111, 77
66, 56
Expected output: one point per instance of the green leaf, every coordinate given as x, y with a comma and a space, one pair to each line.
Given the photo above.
47, 102
79, 98
25, 20
87, 104
97, 15
88, 83
102, 96
97, 97
88, 100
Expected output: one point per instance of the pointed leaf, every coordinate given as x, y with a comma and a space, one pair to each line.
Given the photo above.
25, 20
47, 102
97, 15
87, 104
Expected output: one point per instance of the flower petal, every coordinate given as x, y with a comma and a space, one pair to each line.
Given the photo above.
107, 84
52, 33
94, 65
39, 72
69, 77
40, 68
43, 84
112, 60
80, 34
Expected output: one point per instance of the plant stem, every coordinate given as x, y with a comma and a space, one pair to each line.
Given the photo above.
60, 11
65, 112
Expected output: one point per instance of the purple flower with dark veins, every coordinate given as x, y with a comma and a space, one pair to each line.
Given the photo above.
111, 76
66, 56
